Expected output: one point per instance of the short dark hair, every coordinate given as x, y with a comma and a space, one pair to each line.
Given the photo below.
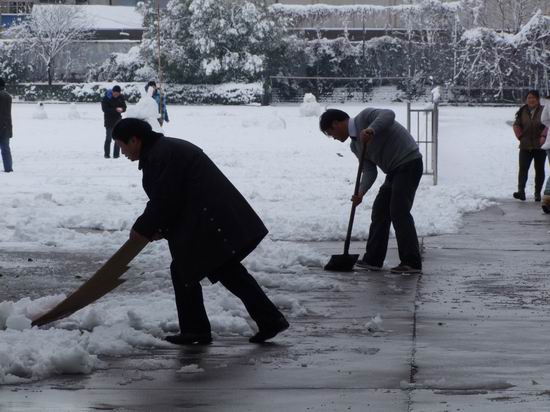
331, 116
117, 89
533, 93
126, 128
2, 84
150, 83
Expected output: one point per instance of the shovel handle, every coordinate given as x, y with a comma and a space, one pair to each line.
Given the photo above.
356, 192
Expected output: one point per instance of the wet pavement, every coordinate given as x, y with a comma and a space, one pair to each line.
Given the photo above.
470, 334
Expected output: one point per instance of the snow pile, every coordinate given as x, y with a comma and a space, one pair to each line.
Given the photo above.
310, 107
375, 325
18, 315
29, 355
193, 368
276, 122
40, 112
472, 385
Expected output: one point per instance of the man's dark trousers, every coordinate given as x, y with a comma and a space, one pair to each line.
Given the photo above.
393, 205
235, 278
107, 146
6, 153
525, 159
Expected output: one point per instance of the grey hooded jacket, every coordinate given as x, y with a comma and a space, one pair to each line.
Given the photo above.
391, 146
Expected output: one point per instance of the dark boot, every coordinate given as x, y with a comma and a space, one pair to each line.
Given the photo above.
537, 197
519, 195
269, 331
190, 338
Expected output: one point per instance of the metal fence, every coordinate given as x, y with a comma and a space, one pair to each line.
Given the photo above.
423, 124
291, 89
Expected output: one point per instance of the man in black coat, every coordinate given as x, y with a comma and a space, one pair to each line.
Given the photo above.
6, 131
209, 225
113, 105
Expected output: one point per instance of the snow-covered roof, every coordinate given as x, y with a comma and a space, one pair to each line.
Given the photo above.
107, 17
328, 10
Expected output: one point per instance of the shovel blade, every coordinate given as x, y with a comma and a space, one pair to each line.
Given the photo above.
341, 263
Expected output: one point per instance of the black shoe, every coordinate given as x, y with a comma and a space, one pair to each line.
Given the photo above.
268, 332
116, 157
107, 157
537, 197
406, 270
189, 338
519, 195
367, 266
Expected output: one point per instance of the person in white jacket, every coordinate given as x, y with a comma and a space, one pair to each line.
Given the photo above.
545, 120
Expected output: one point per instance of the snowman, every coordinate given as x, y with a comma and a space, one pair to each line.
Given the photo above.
73, 113
310, 107
40, 112
146, 109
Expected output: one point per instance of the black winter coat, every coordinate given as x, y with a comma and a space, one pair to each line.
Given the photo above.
205, 219
109, 105
5, 115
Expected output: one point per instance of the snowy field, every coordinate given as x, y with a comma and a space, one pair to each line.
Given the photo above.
65, 196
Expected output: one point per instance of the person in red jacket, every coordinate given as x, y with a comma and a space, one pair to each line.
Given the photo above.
531, 134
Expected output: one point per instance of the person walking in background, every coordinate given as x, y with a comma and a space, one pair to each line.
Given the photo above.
6, 128
531, 135
113, 105
155, 94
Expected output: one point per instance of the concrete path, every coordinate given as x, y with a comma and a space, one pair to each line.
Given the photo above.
470, 334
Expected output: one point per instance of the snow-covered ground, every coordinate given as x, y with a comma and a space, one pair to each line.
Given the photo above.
64, 195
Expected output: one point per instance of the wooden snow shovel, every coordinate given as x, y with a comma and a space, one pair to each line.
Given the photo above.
345, 262
102, 282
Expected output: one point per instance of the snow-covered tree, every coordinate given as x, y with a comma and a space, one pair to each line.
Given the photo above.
232, 37
212, 41
179, 57
49, 30
12, 65
123, 67
494, 60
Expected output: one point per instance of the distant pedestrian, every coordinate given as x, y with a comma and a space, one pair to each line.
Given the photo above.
113, 105
531, 134
6, 128
155, 94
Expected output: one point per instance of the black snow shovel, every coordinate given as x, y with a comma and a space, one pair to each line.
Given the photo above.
345, 262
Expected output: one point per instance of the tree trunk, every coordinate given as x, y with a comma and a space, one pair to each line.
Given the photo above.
50, 73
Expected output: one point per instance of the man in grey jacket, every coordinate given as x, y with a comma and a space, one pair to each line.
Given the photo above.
390, 147
6, 131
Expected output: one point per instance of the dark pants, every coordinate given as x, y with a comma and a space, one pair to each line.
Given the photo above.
235, 278
525, 159
393, 205
107, 146
6, 154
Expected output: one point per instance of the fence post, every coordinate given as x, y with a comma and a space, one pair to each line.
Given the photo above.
266, 96
435, 140
409, 117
